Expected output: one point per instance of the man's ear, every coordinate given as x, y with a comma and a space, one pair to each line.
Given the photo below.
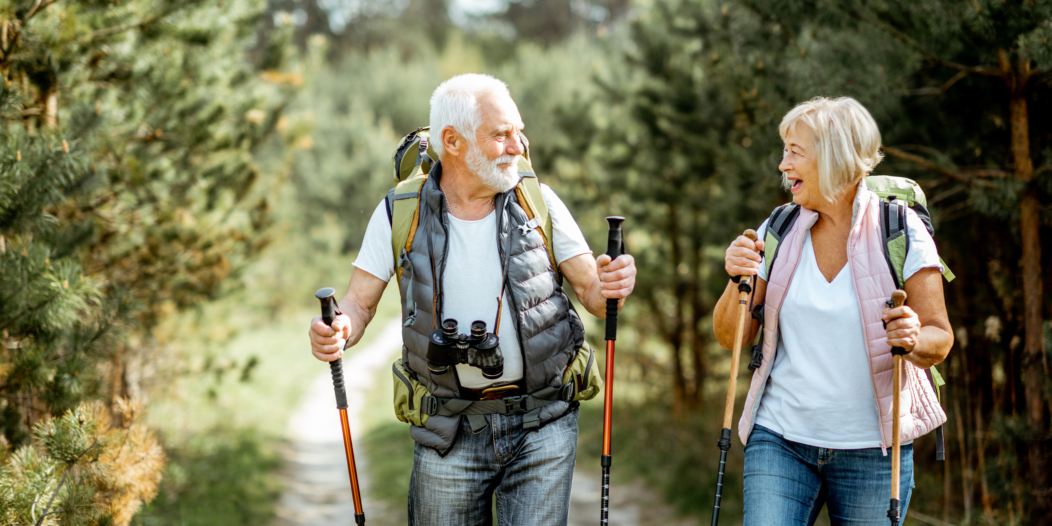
452, 142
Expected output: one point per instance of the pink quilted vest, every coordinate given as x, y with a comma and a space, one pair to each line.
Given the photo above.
919, 405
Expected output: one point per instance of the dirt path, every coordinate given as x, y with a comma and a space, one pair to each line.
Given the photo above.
317, 487
317, 490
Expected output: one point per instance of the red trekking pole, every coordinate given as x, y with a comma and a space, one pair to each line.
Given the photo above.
329, 310
614, 247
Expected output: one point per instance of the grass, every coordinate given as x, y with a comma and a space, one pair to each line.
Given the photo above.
221, 402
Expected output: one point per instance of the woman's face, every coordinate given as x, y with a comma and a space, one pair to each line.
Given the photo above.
800, 167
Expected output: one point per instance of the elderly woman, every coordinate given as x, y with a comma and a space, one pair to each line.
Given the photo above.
817, 420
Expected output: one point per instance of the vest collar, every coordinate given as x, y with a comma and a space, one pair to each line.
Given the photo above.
435, 197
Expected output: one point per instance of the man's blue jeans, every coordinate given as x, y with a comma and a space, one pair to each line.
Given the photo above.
788, 483
530, 471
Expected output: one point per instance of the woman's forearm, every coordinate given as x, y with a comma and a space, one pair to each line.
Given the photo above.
933, 346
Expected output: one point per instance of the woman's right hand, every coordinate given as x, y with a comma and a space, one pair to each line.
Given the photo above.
743, 257
327, 342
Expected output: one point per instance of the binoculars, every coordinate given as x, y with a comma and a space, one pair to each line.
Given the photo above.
479, 349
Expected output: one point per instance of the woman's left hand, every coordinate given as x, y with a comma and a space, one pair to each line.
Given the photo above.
903, 327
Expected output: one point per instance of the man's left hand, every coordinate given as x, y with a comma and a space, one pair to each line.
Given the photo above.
618, 276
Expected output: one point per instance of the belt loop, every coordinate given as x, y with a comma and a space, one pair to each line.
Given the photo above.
477, 422
532, 419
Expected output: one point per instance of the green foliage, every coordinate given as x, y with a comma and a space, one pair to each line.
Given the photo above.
81, 469
128, 191
227, 478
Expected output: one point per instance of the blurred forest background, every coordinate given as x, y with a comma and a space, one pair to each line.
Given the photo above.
178, 176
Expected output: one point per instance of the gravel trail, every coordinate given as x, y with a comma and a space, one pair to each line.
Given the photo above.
317, 488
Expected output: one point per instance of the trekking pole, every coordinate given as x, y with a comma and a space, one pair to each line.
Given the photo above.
898, 299
614, 247
329, 310
744, 289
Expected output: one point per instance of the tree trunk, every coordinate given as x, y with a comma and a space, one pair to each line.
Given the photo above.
675, 332
1030, 232
699, 329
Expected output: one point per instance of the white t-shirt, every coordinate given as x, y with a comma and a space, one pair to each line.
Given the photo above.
472, 278
820, 390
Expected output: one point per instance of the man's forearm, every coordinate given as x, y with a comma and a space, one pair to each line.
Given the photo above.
360, 317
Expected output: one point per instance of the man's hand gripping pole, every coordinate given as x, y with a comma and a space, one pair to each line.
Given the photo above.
329, 310
614, 248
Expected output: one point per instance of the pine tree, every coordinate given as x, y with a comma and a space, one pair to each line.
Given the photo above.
961, 93
127, 191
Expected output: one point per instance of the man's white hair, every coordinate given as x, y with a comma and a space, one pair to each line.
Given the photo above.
847, 141
455, 104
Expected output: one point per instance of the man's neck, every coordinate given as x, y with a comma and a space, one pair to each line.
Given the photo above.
467, 197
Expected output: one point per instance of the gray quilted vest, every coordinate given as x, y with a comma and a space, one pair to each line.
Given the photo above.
548, 328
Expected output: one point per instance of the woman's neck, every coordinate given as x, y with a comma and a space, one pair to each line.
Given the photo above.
838, 213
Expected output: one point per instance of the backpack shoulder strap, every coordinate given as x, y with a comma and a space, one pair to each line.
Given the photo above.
532, 201
778, 226
896, 240
403, 209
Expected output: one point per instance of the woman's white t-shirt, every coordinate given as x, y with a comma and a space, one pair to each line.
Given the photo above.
472, 279
820, 390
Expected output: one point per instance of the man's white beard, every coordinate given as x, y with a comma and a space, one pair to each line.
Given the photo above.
490, 173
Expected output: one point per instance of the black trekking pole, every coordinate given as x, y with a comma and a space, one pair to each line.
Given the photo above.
898, 299
744, 289
329, 310
614, 248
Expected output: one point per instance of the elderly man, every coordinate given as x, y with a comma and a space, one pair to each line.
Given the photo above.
475, 257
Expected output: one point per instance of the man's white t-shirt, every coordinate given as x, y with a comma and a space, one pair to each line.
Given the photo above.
820, 390
472, 279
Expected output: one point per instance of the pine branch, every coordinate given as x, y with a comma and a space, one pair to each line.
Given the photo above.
27, 309
54, 494
969, 177
909, 41
41, 4
140, 24
945, 87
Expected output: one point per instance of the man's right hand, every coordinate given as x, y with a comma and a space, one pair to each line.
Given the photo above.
326, 342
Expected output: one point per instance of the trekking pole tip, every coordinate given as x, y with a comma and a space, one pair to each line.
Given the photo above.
898, 298
750, 233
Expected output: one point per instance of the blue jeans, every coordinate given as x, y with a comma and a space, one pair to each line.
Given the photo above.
788, 483
530, 471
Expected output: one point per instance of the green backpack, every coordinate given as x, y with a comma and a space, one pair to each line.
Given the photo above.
896, 194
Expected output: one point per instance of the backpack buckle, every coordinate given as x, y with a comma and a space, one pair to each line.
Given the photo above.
429, 405
566, 392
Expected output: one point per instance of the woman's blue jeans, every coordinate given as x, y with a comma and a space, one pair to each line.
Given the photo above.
529, 470
788, 483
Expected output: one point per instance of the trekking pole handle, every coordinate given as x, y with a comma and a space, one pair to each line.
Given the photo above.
898, 299
615, 246
329, 310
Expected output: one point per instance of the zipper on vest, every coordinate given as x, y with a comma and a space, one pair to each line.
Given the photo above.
869, 361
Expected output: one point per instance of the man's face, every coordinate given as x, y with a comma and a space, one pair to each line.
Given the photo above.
494, 156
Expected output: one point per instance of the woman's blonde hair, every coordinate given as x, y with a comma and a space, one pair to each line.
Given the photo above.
847, 141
